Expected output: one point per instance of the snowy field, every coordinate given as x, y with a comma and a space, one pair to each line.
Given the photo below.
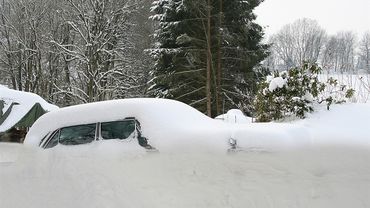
359, 82
319, 177
331, 168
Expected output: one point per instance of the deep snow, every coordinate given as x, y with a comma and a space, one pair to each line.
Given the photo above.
323, 177
172, 126
325, 163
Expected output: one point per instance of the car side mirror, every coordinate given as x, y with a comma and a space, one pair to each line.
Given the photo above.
143, 141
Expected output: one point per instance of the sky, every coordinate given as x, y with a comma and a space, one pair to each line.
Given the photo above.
333, 15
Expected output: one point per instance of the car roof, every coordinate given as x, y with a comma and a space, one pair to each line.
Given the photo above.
149, 111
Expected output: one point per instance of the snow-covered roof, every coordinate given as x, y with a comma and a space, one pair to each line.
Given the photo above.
26, 101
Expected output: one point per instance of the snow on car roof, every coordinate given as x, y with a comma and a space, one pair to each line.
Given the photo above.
159, 118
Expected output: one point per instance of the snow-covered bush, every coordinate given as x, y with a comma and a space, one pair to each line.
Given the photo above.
359, 82
294, 92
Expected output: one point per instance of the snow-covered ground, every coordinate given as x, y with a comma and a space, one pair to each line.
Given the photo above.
322, 177
326, 163
359, 82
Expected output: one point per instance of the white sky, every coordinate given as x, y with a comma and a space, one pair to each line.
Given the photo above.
332, 15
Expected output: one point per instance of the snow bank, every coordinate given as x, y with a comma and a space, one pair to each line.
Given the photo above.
322, 161
345, 124
172, 126
234, 116
271, 137
322, 177
26, 101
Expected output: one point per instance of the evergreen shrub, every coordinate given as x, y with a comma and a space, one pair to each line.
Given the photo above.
295, 92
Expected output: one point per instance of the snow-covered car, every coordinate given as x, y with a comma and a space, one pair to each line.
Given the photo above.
167, 124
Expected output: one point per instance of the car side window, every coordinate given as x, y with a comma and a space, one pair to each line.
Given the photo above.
75, 135
53, 141
117, 129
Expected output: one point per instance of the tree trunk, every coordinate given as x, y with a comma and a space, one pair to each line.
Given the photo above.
209, 57
219, 65
19, 69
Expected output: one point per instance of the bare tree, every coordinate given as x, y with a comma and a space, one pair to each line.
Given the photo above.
329, 58
142, 39
21, 43
75, 51
98, 55
339, 52
298, 42
346, 50
364, 54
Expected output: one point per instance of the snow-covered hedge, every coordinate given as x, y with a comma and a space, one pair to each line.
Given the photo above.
294, 92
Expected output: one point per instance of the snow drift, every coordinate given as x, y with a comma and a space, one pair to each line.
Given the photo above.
320, 177
325, 162
172, 126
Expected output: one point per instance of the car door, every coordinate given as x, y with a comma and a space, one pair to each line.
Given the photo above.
72, 135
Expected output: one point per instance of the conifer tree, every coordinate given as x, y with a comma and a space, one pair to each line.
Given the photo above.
242, 52
206, 52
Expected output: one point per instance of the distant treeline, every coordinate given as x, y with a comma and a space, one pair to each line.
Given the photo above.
305, 40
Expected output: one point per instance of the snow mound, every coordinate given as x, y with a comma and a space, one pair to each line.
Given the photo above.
26, 101
345, 124
234, 116
277, 82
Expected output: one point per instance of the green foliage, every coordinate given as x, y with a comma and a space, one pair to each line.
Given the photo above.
181, 51
294, 93
350, 93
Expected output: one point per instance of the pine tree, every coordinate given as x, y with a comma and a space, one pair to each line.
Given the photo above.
206, 52
181, 52
242, 52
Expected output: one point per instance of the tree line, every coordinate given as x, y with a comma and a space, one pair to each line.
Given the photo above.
75, 51
205, 53
209, 54
306, 40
